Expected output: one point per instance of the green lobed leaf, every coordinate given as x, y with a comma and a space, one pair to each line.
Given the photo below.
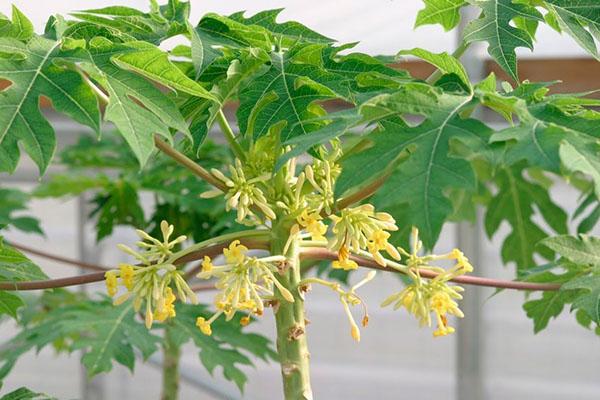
285, 93
580, 19
583, 249
443, 61
153, 63
418, 182
20, 27
12, 204
20, 118
516, 202
494, 27
551, 303
105, 332
588, 299
443, 12
137, 124
286, 33
26, 394
223, 347
15, 267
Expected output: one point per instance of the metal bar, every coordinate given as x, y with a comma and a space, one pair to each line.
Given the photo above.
469, 340
91, 389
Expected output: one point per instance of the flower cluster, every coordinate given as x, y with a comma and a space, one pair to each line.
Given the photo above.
243, 194
425, 297
245, 284
361, 228
151, 281
322, 175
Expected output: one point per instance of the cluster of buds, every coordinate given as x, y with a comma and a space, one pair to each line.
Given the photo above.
361, 228
348, 298
425, 297
322, 175
151, 281
243, 194
245, 283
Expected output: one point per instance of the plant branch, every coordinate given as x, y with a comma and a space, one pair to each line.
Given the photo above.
165, 147
188, 163
230, 136
57, 258
325, 254
363, 193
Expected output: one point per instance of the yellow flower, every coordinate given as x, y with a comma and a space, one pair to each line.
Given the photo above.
207, 265
344, 262
126, 273
355, 332
379, 241
236, 252
462, 262
313, 225
443, 328
245, 321
111, 282
204, 326
166, 308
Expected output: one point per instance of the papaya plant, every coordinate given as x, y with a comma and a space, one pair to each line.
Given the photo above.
253, 204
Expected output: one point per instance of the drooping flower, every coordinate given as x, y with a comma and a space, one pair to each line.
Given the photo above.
344, 262
312, 223
111, 282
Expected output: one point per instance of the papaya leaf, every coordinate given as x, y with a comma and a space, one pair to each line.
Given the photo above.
285, 93
38, 75
443, 12
495, 28
515, 202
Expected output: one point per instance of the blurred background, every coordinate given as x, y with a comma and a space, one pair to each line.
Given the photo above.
494, 354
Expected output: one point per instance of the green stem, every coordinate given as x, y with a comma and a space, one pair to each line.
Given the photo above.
230, 136
458, 53
171, 356
291, 323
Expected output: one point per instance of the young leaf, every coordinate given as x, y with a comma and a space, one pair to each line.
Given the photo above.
137, 124
19, 28
285, 93
288, 33
153, 63
38, 75
443, 61
443, 12
495, 28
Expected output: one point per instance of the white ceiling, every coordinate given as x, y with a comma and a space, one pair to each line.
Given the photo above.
381, 26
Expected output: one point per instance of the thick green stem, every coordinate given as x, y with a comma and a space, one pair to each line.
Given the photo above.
171, 356
229, 135
291, 323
